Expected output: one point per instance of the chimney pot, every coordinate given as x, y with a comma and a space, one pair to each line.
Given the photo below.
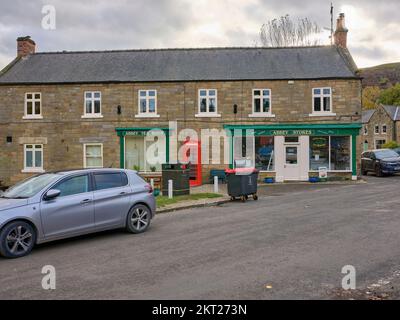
340, 35
25, 46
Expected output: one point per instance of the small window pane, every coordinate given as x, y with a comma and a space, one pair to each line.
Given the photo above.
317, 104
143, 105
97, 106
29, 108
93, 151
38, 146
97, 95
257, 107
152, 93
88, 95
203, 93
29, 146
291, 155
203, 105
327, 91
257, 92
38, 159
152, 105
327, 104
75, 185
142, 93
37, 96
29, 96
88, 106
29, 159
108, 180
317, 91
266, 105
266, 92
212, 105
211, 93
37, 107
291, 139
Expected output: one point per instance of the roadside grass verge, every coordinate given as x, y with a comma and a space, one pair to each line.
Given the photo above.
163, 201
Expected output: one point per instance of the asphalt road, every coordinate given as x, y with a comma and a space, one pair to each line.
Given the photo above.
291, 244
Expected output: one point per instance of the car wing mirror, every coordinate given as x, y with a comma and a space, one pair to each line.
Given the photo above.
51, 194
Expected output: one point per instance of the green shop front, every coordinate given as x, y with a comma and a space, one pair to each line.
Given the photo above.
134, 146
294, 152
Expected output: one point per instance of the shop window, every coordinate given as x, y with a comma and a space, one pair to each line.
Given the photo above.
264, 153
340, 154
138, 156
243, 151
319, 153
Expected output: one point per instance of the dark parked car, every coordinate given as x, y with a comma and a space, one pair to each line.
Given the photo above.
384, 161
397, 150
57, 205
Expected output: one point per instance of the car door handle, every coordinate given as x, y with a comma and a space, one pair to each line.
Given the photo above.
86, 201
122, 193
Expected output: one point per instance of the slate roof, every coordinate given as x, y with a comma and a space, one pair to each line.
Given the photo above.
393, 112
367, 114
253, 63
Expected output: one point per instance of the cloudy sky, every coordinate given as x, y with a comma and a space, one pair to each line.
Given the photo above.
374, 36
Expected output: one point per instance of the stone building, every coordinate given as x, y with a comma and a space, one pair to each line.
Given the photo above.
380, 125
291, 111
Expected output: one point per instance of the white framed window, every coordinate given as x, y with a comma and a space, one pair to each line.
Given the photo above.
261, 103
384, 129
379, 143
33, 158
92, 105
322, 102
377, 129
33, 105
208, 103
93, 155
147, 104
365, 130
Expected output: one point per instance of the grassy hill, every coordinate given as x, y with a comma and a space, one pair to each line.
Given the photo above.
383, 76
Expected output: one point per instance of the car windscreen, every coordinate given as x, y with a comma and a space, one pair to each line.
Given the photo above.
31, 186
386, 154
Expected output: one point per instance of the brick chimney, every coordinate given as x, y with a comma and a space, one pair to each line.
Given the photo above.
25, 46
340, 35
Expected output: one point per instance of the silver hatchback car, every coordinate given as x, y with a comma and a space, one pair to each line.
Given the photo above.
57, 205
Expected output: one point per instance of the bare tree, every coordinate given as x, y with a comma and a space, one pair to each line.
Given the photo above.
284, 32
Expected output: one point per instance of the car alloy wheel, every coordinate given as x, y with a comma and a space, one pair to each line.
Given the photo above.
138, 219
17, 239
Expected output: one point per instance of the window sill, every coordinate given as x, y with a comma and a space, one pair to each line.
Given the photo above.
207, 115
323, 114
261, 115
143, 115
87, 116
32, 117
32, 170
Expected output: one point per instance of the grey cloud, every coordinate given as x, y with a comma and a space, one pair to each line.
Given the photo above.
121, 24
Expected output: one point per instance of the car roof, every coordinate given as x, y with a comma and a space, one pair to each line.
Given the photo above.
79, 170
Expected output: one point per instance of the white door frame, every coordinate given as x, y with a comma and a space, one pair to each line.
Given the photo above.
302, 157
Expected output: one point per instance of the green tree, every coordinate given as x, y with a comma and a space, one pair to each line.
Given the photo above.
390, 96
391, 145
370, 97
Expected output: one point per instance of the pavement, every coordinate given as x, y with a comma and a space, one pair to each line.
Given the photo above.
290, 244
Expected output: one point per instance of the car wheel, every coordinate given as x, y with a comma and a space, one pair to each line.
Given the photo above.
17, 239
139, 218
378, 171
